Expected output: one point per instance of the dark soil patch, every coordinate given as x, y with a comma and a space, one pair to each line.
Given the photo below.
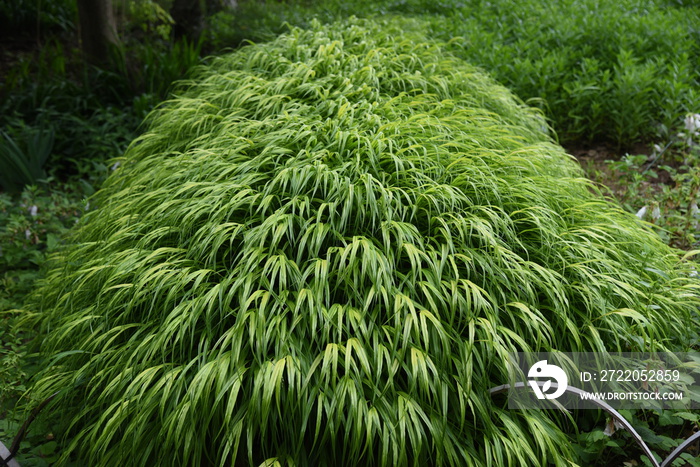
595, 158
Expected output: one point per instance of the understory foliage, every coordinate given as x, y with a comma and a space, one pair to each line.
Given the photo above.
620, 72
322, 251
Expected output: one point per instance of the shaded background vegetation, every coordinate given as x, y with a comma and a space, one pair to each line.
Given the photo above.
614, 72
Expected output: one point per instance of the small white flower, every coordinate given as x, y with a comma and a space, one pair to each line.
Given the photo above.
611, 426
657, 148
694, 209
656, 213
28, 234
33, 210
692, 122
689, 123
642, 212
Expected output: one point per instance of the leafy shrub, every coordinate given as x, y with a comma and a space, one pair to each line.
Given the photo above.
323, 251
617, 72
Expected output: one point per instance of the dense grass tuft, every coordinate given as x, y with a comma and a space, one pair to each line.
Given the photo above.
323, 250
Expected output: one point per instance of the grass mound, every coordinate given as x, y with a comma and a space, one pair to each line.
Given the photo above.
323, 250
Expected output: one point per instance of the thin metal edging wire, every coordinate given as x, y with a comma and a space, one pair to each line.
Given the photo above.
7, 456
615, 414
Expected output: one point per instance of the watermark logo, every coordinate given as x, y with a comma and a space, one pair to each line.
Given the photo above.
543, 370
579, 380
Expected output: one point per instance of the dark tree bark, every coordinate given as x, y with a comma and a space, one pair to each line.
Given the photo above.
98, 29
189, 18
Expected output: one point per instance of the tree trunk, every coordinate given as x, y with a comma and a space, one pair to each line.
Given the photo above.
188, 17
98, 29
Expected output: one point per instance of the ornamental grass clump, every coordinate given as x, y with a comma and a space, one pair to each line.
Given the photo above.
322, 251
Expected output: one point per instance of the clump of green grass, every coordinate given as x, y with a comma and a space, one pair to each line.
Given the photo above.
322, 252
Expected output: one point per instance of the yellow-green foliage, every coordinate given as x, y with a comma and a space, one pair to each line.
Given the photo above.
322, 252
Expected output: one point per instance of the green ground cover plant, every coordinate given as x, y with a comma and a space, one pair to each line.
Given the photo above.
660, 187
32, 225
322, 251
